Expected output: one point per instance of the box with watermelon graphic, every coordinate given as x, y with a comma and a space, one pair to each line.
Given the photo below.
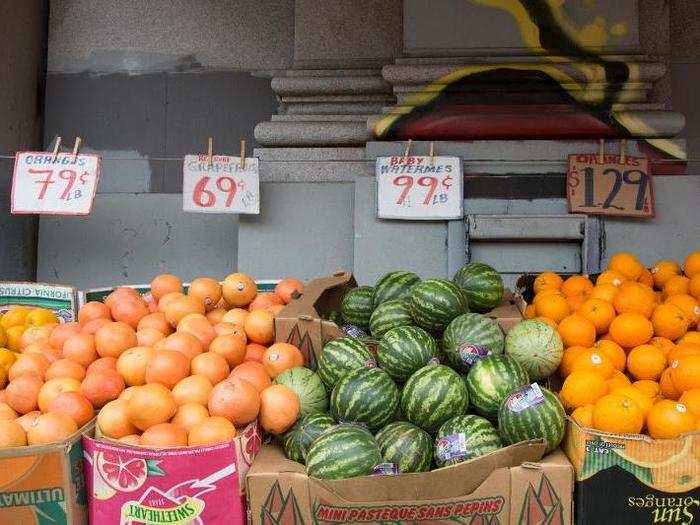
193, 485
44, 484
634, 478
60, 299
512, 485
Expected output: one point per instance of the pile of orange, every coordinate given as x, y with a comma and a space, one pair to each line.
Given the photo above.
167, 368
631, 362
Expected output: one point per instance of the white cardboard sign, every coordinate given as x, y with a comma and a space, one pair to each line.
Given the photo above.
60, 185
222, 187
419, 188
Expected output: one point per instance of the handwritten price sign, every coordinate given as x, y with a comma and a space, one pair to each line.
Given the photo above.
222, 187
65, 185
419, 188
609, 187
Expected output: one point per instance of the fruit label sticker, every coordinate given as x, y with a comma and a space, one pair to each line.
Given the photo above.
419, 188
470, 353
453, 446
354, 331
385, 469
525, 397
61, 300
223, 185
61, 184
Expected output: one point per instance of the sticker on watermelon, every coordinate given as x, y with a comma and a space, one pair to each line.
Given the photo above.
354, 331
525, 397
385, 469
470, 353
452, 446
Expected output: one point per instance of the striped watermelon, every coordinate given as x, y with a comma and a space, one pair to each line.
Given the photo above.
464, 437
298, 439
432, 395
394, 285
535, 345
388, 315
405, 445
491, 379
405, 349
531, 412
435, 302
367, 396
357, 306
482, 284
308, 387
341, 356
345, 451
466, 332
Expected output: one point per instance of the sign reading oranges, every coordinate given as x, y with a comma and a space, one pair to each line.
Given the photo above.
220, 184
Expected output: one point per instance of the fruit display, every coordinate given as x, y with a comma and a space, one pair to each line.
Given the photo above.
631, 357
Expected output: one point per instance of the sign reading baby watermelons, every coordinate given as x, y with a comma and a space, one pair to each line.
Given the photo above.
61, 300
464, 437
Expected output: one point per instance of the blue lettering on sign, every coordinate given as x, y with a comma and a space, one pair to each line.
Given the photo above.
63, 160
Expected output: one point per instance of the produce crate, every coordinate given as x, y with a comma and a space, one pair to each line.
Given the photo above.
127, 484
44, 484
62, 300
636, 479
511, 485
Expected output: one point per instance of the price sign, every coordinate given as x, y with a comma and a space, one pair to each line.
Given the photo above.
64, 185
609, 187
222, 187
419, 188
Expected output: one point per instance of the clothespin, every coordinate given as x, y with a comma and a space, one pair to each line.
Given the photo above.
55, 148
407, 151
242, 154
431, 153
210, 151
601, 151
623, 151
76, 147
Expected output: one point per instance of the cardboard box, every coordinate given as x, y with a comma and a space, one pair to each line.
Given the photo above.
511, 485
304, 322
138, 485
60, 299
636, 479
44, 484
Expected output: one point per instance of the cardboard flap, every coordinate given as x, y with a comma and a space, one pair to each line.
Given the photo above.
448, 482
272, 459
312, 292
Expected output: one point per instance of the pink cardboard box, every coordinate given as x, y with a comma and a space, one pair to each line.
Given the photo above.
129, 485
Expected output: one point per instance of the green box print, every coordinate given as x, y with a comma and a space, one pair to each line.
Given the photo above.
60, 299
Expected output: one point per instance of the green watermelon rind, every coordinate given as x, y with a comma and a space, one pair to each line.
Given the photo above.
474, 329
394, 285
341, 356
481, 437
435, 302
308, 387
490, 380
482, 284
388, 315
298, 439
345, 451
357, 306
407, 446
367, 396
536, 346
405, 349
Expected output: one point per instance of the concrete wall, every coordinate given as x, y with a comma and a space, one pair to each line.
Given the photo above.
22, 67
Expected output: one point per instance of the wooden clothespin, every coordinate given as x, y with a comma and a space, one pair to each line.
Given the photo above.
242, 154
601, 151
623, 151
210, 151
407, 151
431, 153
76, 147
55, 148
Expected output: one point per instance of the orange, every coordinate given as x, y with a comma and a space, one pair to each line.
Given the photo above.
183, 342
131, 439
15, 316
691, 266
669, 321
575, 302
230, 346
180, 307
577, 285
103, 363
547, 281
199, 326
669, 419
164, 284
113, 420
691, 399
618, 414
617, 380
188, 415
212, 430
102, 386
155, 321
14, 337
236, 400
685, 373
610, 277
646, 362
7, 412
577, 330
690, 337
50, 390
568, 358
122, 292
228, 329
207, 290
288, 289
668, 390
165, 301
682, 350
546, 293
254, 373
211, 365
583, 416
164, 435
694, 286
661, 342
626, 264
634, 297
594, 361
132, 364
91, 327
643, 401
265, 300
646, 278
35, 334
29, 363
22, 393
149, 405
148, 337
631, 329
279, 408
259, 327
12, 435
239, 289
600, 313
606, 292
676, 285
192, 389
129, 311
74, 405
61, 333
166, 367
662, 271
280, 357
113, 338
51, 428
688, 305
80, 348
530, 312
649, 388
236, 316
216, 315
614, 352
254, 352
582, 387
